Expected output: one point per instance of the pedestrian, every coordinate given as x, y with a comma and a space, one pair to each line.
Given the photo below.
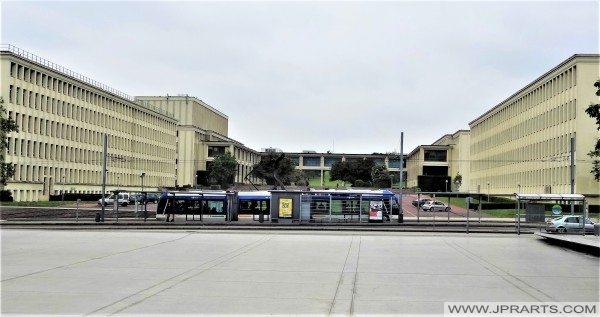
162, 202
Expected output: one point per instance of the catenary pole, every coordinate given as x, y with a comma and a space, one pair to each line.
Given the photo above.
400, 210
104, 175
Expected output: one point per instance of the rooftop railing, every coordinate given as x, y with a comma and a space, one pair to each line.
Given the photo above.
67, 72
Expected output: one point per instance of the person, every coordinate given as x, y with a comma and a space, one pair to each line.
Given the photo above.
170, 210
162, 202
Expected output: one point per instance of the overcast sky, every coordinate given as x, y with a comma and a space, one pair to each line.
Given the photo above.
345, 77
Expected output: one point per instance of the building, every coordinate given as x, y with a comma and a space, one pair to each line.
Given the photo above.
317, 165
63, 118
535, 141
201, 136
435, 167
523, 144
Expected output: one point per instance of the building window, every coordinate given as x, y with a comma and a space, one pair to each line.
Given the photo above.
435, 155
312, 161
295, 160
329, 161
216, 150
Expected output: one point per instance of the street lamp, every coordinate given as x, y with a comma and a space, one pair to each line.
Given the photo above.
142, 177
63, 189
488, 192
446, 186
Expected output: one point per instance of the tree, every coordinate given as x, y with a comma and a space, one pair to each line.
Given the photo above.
352, 171
458, 181
341, 171
7, 125
222, 169
381, 176
593, 111
299, 178
274, 164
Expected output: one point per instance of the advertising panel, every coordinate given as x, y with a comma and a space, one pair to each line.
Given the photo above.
285, 207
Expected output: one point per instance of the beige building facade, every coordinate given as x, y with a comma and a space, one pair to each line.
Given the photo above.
201, 136
63, 117
435, 167
523, 144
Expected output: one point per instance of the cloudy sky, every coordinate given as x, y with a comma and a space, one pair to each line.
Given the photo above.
346, 77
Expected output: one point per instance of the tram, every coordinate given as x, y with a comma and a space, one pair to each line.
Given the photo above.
345, 203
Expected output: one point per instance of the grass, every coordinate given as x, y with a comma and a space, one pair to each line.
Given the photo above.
316, 182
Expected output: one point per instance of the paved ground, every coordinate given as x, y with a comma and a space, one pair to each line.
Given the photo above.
196, 272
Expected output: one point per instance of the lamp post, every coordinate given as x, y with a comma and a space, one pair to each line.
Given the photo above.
488, 192
142, 178
446, 185
63, 189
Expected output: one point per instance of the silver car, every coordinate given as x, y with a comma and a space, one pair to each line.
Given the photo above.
568, 223
435, 206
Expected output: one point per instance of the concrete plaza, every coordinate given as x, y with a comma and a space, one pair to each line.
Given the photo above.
259, 272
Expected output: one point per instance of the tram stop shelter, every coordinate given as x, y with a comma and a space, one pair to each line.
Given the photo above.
289, 206
577, 203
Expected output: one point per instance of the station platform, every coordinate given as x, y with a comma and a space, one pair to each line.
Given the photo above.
588, 243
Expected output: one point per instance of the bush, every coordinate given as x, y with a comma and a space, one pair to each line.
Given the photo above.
302, 182
6, 195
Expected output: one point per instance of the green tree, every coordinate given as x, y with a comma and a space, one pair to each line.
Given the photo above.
7, 125
341, 171
362, 169
381, 176
458, 181
352, 171
222, 170
593, 111
299, 178
274, 164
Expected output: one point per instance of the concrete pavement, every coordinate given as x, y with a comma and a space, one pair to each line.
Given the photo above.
258, 272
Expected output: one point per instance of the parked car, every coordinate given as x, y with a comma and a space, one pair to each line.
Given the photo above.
123, 199
151, 198
564, 224
420, 202
435, 206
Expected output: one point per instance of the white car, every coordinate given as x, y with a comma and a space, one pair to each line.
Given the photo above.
568, 223
123, 200
435, 206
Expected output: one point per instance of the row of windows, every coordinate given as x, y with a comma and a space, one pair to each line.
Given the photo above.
547, 150
329, 161
145, 123
532, 180
529, 126
510, 133
532, 99
41, 126
71, 176
65, 88
69, 154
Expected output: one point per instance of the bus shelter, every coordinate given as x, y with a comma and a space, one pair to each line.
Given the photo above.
577, 203
332, 206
